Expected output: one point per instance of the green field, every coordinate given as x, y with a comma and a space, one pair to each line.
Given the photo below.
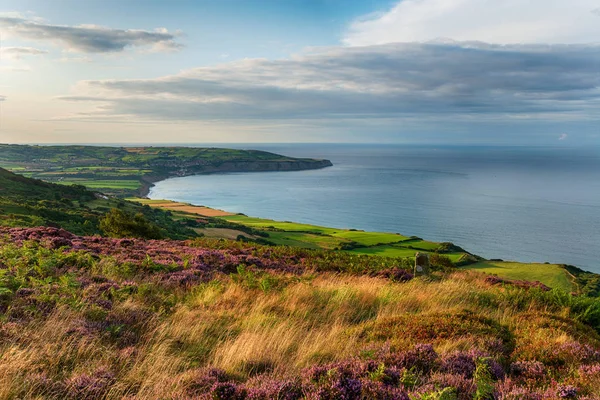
551, 275
306, 240
398, 251
101, 184
368, 243
371, 238
285, 226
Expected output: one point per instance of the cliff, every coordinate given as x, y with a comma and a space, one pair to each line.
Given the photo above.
233, 166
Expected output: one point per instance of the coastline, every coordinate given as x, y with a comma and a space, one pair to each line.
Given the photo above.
553, 275
149, 180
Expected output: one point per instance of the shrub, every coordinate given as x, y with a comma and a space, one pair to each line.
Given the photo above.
119, 224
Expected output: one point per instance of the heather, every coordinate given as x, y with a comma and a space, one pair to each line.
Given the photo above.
93, 317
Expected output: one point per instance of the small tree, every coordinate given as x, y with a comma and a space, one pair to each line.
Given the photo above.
119, 224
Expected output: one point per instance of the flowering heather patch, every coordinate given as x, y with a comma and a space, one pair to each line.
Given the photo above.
203, 256
528, 370
91, 317
92, 386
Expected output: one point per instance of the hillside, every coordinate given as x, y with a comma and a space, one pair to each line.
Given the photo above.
314, 314
31, 202
221, 224
126, 171
100, 318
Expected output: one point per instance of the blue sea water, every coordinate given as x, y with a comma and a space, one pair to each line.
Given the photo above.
516, 203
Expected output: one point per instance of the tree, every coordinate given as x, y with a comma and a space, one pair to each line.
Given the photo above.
119, 224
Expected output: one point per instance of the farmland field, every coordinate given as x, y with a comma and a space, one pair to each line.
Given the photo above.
99, 184
371, 238
286, 226
549, 274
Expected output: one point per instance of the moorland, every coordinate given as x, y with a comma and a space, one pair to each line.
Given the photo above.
107, 298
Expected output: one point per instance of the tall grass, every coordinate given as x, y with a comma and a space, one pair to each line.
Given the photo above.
248, 331
84, 325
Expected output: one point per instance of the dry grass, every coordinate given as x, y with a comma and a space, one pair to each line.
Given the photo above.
187, 208
248, 331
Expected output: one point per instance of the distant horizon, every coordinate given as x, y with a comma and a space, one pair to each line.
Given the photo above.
190, 144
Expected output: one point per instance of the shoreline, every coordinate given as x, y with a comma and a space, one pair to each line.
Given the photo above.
149, 180
225, 213
555, 275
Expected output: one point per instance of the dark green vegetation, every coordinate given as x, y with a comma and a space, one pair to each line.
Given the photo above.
126, 171
31, 202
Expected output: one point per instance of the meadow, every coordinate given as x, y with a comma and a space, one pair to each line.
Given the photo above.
552, 275
101, 318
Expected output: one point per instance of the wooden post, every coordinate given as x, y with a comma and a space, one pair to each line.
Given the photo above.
421, 264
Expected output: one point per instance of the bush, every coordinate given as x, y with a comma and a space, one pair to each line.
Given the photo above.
119, 224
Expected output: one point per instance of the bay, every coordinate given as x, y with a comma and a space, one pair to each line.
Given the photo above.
531, 204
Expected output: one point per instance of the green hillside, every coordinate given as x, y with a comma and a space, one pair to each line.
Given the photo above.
126, 171
31, 202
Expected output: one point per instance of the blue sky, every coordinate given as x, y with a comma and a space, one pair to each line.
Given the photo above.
411, 71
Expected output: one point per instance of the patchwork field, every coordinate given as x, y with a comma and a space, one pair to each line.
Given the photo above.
382, 244
310, 236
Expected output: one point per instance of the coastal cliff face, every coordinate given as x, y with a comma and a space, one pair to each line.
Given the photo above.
236, 166
263, 166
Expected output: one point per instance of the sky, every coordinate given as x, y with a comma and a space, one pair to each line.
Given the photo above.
510, 72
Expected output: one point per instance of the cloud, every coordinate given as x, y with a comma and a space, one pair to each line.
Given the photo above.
476, 81
563, 136
20, 52
15, 69
505, 22
88, 38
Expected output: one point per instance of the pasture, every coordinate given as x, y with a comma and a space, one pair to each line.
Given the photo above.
551, 275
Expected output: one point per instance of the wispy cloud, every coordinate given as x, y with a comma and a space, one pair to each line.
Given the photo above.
88, 38
20, 52
564, 136
25, 68
472, 80
506, 21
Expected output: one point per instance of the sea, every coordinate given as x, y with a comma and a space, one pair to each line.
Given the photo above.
529, 204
